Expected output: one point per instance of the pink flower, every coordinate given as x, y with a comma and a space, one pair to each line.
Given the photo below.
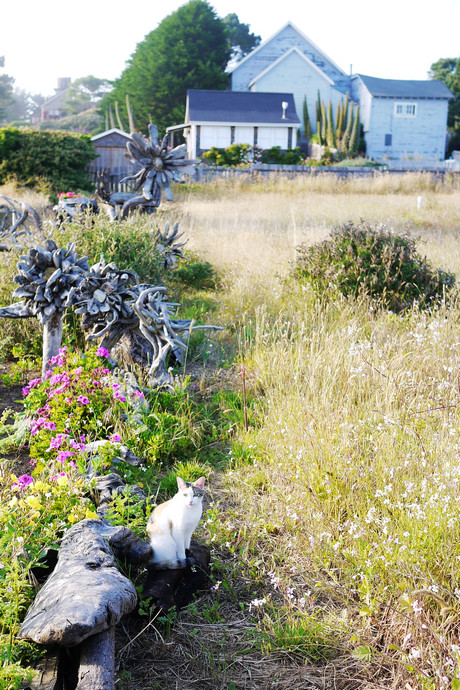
49, 425
37, 424
138, 394
56, 476
118, 396
83, 400
63, 455
103, 352
57, 441
23, 481
115, 438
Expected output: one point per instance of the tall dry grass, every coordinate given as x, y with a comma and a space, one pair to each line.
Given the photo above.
342, 504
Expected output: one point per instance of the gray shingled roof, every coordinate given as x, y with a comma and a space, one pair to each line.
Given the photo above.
402, 88
240, 106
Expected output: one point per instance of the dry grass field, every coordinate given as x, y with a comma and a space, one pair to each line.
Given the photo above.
334, 520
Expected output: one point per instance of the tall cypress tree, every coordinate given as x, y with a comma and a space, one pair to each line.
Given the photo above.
347, 133
188, 50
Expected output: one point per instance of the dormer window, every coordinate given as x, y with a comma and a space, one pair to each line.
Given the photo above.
405, 109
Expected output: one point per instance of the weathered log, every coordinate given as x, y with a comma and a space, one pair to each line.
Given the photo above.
85, 594
97, 662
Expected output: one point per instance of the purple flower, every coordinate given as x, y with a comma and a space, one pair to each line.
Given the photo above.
56, 476
83, 400
49, 425
57, 441
76, 446
102, 352
115, 438
25, 391
138, 394
23, 481
118, 396
63, 455
35, 427
34, 383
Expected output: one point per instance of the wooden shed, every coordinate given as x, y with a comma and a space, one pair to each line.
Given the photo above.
110, 147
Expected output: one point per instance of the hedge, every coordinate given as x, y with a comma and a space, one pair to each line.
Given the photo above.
56, 159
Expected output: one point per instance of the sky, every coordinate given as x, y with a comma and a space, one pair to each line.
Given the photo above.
395, 39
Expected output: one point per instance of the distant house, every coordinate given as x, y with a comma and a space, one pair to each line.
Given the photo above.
54, 107
222, 118
402, 119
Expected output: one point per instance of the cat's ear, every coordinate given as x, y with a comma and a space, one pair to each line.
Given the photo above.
181, 484
199, 483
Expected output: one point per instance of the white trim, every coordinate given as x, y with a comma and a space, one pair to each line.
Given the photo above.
114, 130
283, 57
301, 34
404, 105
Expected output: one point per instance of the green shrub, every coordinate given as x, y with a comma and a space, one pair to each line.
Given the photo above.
288, 157
236, 154
56, 159
362, 259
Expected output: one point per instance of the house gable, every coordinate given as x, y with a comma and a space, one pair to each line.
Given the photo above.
269, 51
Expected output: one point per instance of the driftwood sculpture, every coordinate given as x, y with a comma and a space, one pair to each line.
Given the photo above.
85, 597
47, 280
160, 165
113, 305
17, 223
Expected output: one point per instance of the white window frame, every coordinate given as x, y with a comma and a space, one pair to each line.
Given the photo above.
405, 109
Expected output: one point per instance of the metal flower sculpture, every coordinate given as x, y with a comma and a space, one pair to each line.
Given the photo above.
159, 167
16, 222
48, 277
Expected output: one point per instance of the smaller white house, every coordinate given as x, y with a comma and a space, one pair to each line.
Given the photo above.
222, 118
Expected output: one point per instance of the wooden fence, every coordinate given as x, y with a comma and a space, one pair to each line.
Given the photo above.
207, 173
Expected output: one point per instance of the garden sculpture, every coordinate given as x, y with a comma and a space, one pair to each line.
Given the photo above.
47, 280
160, 165
17, 222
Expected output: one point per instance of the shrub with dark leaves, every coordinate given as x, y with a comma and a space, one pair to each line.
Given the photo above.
360, 259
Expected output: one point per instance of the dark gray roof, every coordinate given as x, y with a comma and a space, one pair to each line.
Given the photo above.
406, 88
240, 107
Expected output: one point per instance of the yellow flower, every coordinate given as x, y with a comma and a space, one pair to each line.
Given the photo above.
34, 502
72, 518
91, 514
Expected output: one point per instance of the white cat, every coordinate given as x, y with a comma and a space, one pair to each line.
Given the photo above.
171, 524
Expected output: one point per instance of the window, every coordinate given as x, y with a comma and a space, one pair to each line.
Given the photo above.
388, 139
405, 109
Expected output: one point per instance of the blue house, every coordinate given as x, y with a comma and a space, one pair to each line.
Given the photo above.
402, 119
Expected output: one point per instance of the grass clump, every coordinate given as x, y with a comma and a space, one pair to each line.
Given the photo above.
362, 259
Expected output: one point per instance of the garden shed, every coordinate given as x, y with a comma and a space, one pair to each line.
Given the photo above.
110, 148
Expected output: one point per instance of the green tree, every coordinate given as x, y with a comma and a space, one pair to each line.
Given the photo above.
242, 41
354, 136
6, 91
188, 50
84, 93
447, 70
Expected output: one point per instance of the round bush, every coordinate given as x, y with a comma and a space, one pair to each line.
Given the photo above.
373, 260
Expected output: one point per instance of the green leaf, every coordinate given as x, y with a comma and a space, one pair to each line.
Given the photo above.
362, 653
